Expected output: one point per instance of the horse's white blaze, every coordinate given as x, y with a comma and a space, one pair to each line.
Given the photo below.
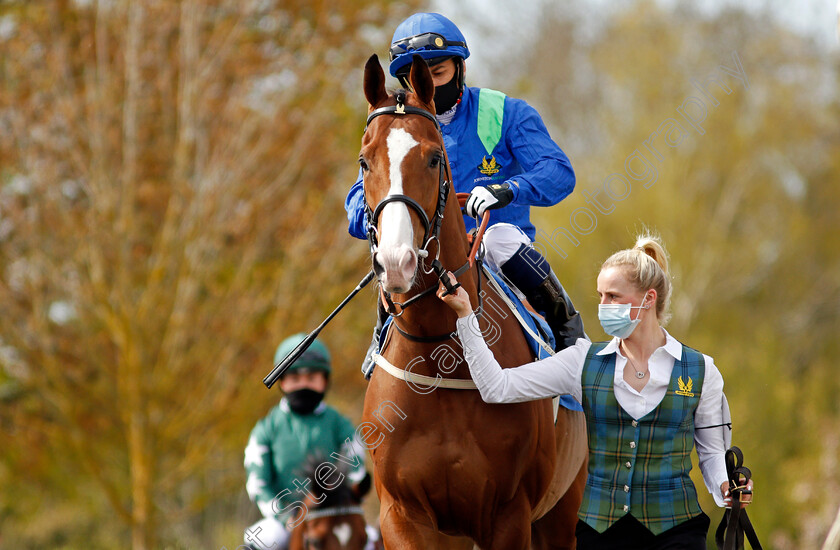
342, 532
396, 243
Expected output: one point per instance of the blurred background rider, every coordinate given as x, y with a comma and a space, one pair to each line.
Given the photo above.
301, 426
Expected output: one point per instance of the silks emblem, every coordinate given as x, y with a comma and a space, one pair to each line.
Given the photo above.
685, 389
489, 167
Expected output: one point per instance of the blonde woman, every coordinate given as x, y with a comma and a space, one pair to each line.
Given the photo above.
649, 400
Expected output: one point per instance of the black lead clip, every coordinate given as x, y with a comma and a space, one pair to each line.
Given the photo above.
443, 275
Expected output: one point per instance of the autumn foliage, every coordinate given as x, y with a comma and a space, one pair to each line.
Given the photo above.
172, 177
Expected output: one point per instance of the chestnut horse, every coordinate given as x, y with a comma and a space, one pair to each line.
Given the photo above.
450, 470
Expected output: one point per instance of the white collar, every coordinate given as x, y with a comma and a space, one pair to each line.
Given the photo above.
672, 346
446, 118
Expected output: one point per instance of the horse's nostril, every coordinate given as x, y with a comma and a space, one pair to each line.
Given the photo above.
378, 268
408, 263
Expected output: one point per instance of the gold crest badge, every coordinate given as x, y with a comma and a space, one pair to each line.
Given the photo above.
489, 167
685, 388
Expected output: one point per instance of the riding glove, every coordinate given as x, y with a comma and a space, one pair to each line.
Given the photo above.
493, 196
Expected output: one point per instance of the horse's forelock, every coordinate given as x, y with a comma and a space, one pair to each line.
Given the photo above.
394, 93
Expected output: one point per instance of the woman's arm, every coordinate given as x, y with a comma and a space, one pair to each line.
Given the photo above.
708, 439
557, 375
709, 435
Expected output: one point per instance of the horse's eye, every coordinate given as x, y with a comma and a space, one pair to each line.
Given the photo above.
435, 161
363, 164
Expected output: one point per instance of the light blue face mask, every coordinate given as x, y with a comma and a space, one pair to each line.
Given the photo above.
616, 321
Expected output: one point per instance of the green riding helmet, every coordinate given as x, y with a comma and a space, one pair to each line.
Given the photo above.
316, 357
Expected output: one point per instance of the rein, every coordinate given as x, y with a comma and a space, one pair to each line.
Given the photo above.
335, 511
735, 523
391, 305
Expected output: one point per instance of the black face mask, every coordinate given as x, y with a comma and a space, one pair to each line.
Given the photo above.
447, 95
304, 401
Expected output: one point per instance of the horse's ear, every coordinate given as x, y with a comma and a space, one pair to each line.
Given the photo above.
421, 79
374, 82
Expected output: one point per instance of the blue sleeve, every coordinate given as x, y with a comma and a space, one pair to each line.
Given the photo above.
547, 176
354, 204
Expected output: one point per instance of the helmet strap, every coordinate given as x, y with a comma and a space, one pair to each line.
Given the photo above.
405, 83
460, 72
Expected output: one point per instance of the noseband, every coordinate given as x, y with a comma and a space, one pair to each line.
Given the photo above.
431, 229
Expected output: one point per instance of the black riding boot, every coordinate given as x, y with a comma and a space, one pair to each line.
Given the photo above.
530, 272
368, 364
551, 300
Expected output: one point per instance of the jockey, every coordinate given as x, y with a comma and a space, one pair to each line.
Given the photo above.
301, 426
500, 152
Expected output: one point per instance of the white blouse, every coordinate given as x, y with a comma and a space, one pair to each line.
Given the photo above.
561, 374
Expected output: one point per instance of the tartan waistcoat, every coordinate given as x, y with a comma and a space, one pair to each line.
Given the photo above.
640, 467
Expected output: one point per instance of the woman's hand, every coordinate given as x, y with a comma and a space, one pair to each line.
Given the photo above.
746, 498
459, 300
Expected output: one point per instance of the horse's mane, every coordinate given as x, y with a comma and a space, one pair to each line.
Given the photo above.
339, 496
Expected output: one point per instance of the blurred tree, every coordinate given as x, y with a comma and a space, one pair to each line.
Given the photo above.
171, 180
171, 186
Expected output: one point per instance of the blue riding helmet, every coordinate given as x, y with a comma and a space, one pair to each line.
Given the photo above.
430, 35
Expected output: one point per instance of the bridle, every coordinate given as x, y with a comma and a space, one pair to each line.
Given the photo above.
312, 543
431, 228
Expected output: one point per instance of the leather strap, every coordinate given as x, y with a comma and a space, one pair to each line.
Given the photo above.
735, 523
336, 511
401, 109
391, 305
422, 380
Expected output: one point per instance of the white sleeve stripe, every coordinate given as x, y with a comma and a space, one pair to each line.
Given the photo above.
265, 508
